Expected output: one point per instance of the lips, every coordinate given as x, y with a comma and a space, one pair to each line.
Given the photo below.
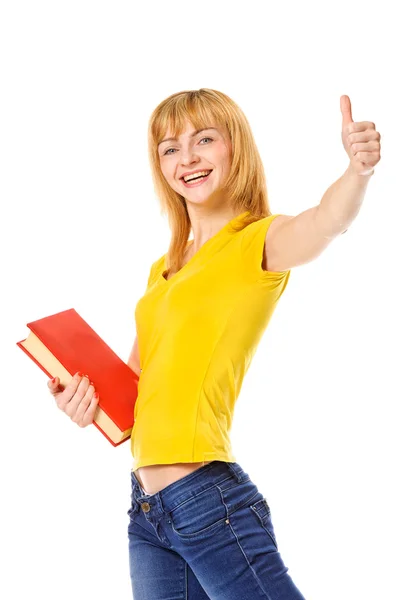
198, 182
194, 172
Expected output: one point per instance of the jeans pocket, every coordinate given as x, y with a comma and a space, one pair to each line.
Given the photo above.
262, 511
201, 515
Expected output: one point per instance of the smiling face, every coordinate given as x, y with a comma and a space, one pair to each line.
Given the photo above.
196, 151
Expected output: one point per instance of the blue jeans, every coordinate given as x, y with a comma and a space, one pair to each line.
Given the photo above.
207, 536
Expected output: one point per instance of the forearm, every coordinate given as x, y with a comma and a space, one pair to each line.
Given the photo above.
341, 203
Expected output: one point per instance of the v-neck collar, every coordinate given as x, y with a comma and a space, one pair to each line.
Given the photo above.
204, 245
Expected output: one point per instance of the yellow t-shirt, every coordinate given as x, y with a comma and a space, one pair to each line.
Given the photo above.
197, 333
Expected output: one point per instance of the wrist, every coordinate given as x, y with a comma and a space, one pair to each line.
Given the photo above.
365, 175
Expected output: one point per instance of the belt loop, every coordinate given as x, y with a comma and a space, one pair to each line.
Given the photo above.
236, 471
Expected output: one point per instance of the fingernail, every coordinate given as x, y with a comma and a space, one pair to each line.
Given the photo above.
53, 380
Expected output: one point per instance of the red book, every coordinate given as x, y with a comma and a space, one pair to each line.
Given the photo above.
63, 344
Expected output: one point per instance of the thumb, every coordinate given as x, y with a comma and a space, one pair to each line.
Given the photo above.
346, 110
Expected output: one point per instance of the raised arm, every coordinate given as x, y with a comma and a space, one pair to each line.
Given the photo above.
296, 240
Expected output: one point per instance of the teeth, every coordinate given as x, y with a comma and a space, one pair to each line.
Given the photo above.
193, 175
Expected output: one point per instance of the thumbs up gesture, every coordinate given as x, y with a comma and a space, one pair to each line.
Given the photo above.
361, 141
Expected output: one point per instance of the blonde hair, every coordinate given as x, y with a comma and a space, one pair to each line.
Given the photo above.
245, 185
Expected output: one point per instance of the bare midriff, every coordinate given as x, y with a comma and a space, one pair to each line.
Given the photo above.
153, 478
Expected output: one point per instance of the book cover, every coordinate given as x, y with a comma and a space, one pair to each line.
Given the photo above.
63, 344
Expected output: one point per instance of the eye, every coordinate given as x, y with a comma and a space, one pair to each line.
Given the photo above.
201, 140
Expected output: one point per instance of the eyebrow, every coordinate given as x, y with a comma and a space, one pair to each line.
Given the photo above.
172, 139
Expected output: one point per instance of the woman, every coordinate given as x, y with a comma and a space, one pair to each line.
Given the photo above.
199, 527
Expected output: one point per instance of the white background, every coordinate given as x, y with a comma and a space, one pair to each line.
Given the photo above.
315, 422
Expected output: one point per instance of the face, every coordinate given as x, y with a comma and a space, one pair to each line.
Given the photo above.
206, 150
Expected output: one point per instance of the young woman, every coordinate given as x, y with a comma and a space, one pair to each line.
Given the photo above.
199, 527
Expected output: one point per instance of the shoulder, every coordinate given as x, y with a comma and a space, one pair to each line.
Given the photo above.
155, 268
268, 224
276, 222
253, 245
158, 263
265, 227
270, 252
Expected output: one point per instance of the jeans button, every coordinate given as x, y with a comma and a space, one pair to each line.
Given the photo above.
146, 507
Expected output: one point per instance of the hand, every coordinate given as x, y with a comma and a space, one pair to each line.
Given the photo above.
77, 400
361, 141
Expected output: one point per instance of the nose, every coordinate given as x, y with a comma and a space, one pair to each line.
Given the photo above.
188, 156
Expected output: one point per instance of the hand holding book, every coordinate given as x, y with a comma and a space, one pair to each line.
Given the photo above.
78, 400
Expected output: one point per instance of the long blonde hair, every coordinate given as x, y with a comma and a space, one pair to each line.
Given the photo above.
245, 185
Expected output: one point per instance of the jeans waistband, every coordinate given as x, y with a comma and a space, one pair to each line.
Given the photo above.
191, 484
